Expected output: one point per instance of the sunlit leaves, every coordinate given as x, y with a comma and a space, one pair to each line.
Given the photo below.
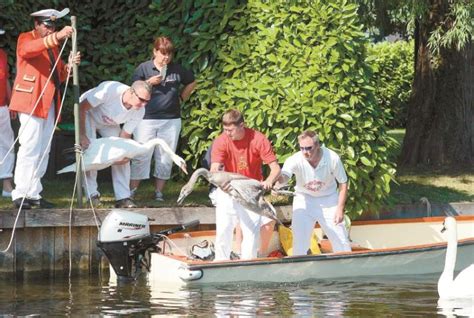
289, 65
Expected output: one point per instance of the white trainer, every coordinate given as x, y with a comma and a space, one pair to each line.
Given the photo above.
159, 196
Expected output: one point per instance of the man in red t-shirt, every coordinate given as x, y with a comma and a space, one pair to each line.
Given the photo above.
241, 150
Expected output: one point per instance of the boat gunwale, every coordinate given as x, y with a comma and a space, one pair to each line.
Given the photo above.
354, 223
198, 264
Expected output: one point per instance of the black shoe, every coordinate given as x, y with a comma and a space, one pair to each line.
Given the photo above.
125, 203
41, 203
17, 204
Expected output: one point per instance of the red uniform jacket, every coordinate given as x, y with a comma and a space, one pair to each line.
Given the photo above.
3, 78
33, 70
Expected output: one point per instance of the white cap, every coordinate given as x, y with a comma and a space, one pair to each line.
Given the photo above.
2, 31
50, 14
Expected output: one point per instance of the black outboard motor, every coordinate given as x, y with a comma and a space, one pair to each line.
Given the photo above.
125, 237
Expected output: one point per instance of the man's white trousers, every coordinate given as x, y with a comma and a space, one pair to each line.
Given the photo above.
166, 129
120, 173
6, 141
228, 214
307, 210
33, 154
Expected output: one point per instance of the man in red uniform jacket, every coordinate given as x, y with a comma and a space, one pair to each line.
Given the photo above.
35, 100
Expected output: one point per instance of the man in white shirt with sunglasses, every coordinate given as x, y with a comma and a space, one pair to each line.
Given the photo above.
103, 109
320, 193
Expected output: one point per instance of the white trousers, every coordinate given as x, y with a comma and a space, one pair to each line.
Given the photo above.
34, 138
228, 214
6, 141
166, 129
120, 173
307, 210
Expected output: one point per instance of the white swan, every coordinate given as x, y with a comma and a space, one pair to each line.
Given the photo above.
463, 285
104, 152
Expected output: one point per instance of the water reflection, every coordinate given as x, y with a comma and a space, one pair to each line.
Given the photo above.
401, 296
456, 307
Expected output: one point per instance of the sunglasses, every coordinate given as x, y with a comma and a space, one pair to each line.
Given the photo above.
306, 148
49, 25
143, 100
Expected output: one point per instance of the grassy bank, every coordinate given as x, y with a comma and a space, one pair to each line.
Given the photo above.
439, 186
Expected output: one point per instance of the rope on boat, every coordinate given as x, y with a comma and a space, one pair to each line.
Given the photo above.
171, 243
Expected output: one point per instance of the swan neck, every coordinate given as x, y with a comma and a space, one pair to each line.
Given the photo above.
451, 251
198, 173
152, 143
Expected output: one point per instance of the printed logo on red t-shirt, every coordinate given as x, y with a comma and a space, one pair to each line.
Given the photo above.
242, 164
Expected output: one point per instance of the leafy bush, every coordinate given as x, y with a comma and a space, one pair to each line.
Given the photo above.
110, 45
393, 76
288, 65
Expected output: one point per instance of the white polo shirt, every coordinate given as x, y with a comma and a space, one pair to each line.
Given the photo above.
319, 181
108, 109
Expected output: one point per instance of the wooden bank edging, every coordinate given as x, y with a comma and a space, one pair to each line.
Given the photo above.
41, 241
84, 217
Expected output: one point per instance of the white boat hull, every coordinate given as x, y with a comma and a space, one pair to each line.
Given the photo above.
386, 248
313, 267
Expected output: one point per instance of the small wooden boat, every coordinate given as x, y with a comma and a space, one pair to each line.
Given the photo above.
380, 248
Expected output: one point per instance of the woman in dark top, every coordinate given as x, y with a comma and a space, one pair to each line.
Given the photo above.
172, 84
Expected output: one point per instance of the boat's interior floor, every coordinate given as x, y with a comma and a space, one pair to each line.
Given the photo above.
324, 245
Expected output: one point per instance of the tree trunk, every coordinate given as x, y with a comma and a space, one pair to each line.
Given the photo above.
440, 125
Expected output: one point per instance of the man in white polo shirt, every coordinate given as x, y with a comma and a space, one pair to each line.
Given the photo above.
103, 109
319, 173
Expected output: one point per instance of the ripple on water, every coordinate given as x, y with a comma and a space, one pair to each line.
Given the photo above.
402, 296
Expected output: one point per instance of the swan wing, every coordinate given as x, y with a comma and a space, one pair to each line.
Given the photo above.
221, 178
249, 193
104, 152
249, 190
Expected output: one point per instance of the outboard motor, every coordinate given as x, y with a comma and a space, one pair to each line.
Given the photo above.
125, 237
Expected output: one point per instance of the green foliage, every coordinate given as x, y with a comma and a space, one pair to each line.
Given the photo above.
457, 28
288, 65
452, 22
393, 76
110, 45
383, 18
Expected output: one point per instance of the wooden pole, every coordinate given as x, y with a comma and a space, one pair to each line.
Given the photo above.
75, 80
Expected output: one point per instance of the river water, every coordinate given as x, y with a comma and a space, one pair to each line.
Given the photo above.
413, 296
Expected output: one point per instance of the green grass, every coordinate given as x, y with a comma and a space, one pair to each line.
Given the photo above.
60, 192
438, 185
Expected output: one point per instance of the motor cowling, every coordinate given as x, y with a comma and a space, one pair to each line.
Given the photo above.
124, 237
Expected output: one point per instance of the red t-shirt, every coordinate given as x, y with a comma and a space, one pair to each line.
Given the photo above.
244, 156
3, 77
